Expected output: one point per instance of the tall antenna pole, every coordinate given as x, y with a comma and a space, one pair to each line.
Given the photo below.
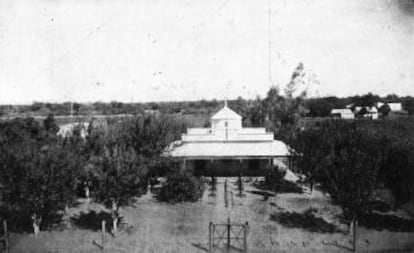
227, 93
270, 44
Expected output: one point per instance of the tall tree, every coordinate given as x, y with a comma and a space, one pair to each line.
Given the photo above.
35, 172
346, 160
125, 153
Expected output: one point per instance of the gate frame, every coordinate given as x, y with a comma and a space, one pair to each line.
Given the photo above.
227, 234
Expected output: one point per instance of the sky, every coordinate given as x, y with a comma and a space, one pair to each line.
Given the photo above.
162, 50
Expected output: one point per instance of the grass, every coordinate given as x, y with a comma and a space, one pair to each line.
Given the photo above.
154, 226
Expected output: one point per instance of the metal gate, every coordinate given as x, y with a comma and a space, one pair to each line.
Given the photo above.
228, 236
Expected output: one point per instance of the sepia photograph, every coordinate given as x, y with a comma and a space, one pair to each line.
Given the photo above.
220, 126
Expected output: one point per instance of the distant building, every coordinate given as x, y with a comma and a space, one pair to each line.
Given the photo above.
67, 129
342, 113
350, 106
394, 107
152, 112
366, 112
372, 112
228, 149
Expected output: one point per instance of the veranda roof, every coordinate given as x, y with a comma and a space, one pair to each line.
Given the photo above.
230, 150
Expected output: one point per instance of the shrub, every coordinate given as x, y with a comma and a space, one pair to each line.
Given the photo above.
181, 187
275, 181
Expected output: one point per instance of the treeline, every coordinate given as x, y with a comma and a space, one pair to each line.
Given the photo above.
111, 108
316, 107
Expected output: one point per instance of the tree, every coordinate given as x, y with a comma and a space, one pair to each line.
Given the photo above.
181, 186
366, 100
50, 125
319, 107
384, 110
297, 76
409, 105
398, 170
121, 177
35, 172
283, 114
125, 154
346, 160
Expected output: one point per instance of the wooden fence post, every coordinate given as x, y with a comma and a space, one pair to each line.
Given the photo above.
209, 236
225, 194
212, 239
103, 235
6, 236
246, 227
228, 233
354, 234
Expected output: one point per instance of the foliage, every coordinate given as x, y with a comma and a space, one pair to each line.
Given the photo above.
275, 181
384, 110
398, 171
408, 105
125, 153
181, 187
368, 100
37, 173
321, 107
283, 114
121, 176
345, 159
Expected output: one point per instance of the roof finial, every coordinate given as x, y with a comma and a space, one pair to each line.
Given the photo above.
225, 102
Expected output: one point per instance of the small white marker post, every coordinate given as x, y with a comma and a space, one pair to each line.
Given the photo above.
103, 235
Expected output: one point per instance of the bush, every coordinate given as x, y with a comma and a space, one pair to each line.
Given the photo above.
275, 181
181, 187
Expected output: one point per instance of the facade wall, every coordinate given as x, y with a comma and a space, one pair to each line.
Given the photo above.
221, 124
251, 167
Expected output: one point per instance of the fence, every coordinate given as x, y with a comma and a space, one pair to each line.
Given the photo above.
230, 235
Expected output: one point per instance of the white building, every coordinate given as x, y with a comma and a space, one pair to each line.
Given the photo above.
395, 107
372, 113
227, 148
343, 113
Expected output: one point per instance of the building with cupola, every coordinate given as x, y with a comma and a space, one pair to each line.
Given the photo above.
226, 148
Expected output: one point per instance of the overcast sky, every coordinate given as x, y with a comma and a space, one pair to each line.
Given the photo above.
154, 50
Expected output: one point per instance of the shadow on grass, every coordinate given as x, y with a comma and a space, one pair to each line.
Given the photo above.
337, 244
93, 220
262, 193
283, 186
306, 220
388, 222
200, 246
20, 221
380, 206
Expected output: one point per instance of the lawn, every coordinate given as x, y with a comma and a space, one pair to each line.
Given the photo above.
152, 226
